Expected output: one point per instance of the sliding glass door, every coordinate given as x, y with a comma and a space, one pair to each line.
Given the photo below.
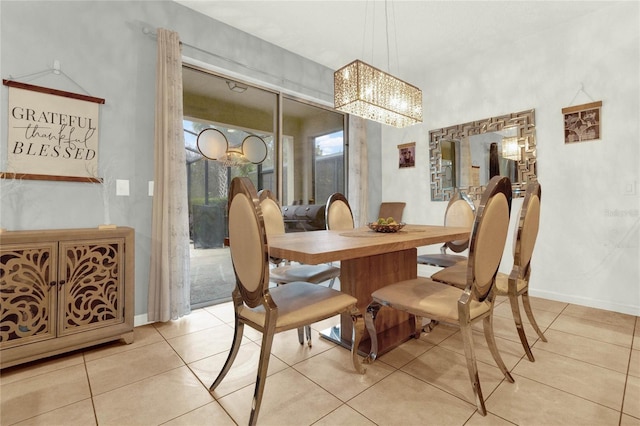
305, 163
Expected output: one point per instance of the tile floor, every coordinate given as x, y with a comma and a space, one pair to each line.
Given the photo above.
587, 374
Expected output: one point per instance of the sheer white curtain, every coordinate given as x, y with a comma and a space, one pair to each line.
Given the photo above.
358, 170
169, 271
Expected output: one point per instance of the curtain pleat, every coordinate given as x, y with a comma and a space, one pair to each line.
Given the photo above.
169, 284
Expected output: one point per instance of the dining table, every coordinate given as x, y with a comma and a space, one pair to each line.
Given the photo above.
368, 260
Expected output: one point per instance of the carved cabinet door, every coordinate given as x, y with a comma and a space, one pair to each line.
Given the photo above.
91, 290
28, 275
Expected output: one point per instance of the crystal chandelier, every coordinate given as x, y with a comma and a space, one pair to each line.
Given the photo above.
368, 92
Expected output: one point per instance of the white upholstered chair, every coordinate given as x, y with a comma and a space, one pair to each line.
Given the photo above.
517, 282
284, 272
460, 212
338, 214
272, 310
424, 297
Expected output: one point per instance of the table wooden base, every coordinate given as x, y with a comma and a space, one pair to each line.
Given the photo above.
362, 276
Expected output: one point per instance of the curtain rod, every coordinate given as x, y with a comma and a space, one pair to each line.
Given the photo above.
151, 33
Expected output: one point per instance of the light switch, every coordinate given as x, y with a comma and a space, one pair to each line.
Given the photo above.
150, 188
122, 187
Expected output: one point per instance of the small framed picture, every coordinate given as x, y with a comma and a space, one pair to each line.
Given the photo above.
582, 122
407, 155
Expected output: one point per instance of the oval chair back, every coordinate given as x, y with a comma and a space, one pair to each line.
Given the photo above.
488, 237
338, 213
460, 212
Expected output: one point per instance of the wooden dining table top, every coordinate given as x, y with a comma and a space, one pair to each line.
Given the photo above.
328, 246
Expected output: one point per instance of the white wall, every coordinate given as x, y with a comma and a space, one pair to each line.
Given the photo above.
102, 48
587, 250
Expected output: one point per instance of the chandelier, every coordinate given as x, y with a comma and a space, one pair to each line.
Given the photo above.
213, 145
368, 92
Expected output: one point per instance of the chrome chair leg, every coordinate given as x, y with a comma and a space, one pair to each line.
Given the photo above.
263, 367
472, 366
307, 329
356, 337
493, 347
369, 320
517, 318
235, 347
527, 308
301, 335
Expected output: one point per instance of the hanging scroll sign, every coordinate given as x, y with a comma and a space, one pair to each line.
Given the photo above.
52, 135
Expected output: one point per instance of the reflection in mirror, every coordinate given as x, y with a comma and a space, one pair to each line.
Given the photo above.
467, 156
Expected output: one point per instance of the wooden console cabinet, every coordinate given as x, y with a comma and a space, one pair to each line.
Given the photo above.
62, 290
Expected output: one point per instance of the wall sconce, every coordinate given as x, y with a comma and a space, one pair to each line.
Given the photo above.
511, 148
213, 145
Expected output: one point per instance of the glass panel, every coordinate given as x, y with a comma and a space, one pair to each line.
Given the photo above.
312, 153
237, 111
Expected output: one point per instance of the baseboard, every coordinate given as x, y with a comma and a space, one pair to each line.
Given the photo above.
141, 319
585, 301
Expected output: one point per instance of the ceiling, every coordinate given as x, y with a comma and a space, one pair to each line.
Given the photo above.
420, 33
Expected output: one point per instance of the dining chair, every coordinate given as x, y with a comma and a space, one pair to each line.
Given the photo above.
517, 282
284, 272
424, 297
338, 213
460, 212
391, 209
277, 309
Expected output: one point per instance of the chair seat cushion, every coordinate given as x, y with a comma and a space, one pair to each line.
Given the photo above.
442, 260
427, 298
502, 284
306, 273
301, 303
455, 275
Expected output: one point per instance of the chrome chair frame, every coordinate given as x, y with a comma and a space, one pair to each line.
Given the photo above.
284, 272
272, 310
423, 297
443, 259
338, 213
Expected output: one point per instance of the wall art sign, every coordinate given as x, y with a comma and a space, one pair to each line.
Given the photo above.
582, 122
407, 155
52, 134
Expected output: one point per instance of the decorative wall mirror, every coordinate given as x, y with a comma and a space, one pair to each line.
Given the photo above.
466, 156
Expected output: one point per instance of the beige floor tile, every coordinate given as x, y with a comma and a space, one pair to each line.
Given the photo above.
543, 318
243, 371
601, 315
36, 395
527, 402
617, 335
632, 397
505, 328
204, 343
627, 420
448, 371
289, 399
197, 320
510, 351
634, 363
36, 368
603, 354
405, 353
326, 324
401, 399
152, 401
597, 384
211, 414
636, 335
538, 303
287, 347
142, 336
223, 311
344, 416
334, 371
77, 414
439, 333
123, 368
489, 420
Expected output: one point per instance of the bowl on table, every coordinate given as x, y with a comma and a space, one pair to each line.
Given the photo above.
386, 228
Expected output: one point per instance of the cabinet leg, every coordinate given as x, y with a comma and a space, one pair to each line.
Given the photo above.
128, 338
